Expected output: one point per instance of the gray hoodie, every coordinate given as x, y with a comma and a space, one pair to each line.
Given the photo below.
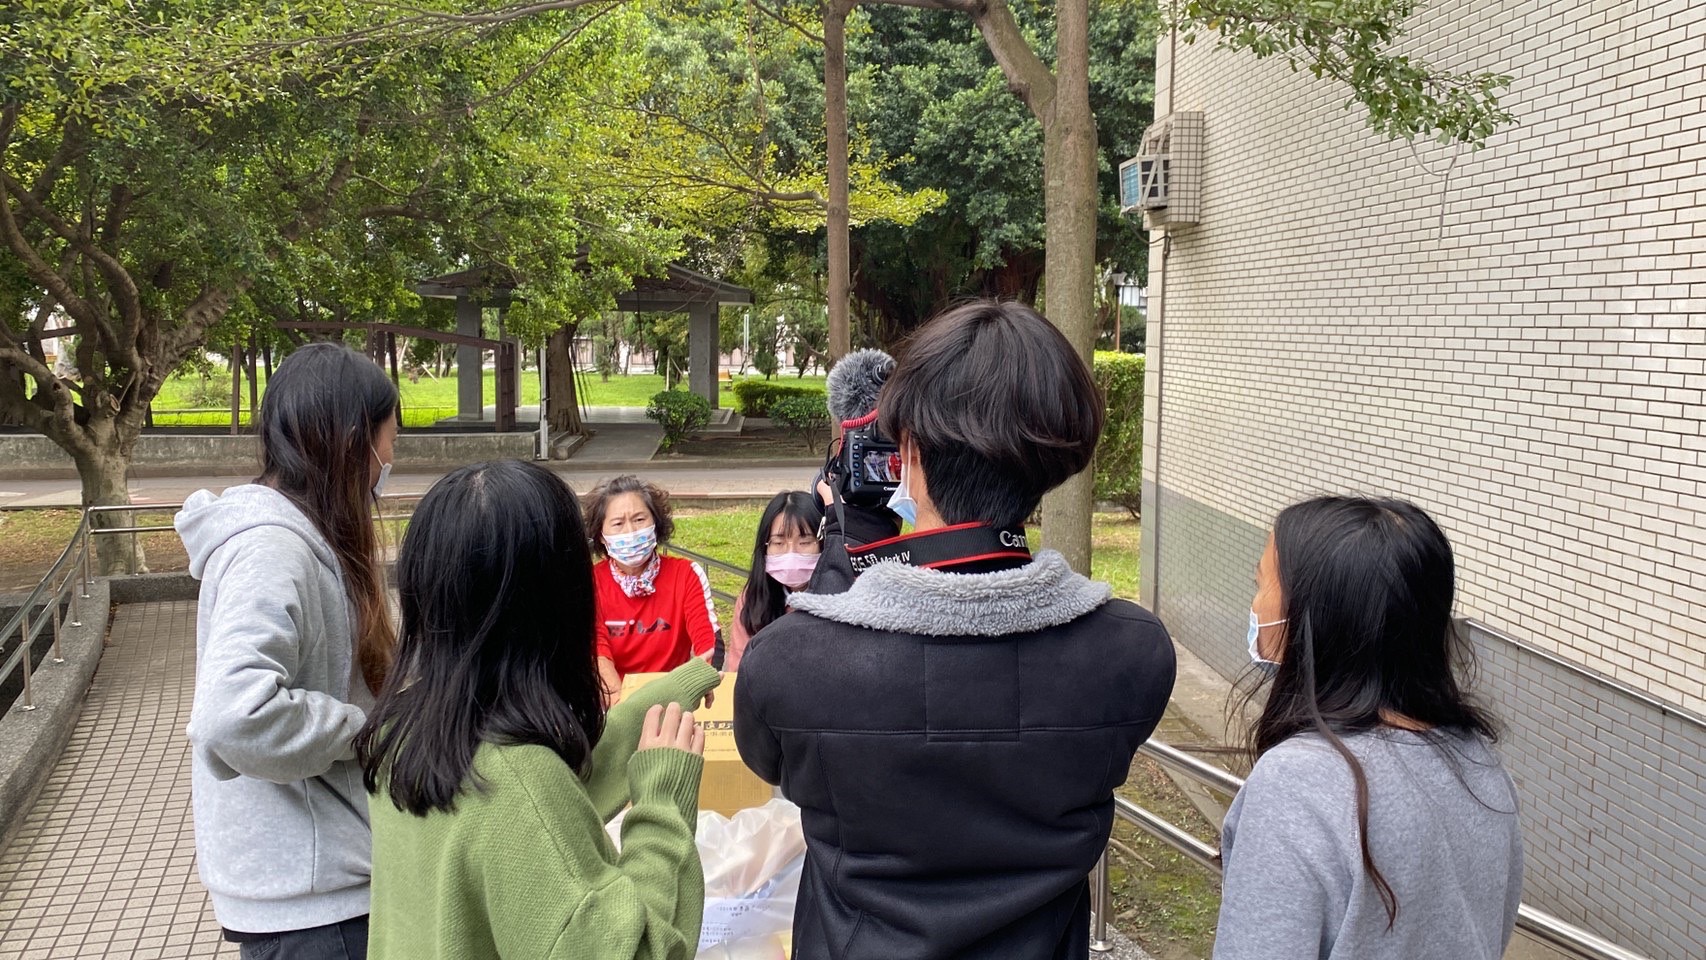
1442, 827
281, 826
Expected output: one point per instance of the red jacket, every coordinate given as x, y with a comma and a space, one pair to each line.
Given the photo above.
656, 633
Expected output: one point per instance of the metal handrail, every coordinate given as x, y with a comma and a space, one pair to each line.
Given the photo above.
707, 561
1554, 932
42, 608
71, 567
1542, 926
722, 595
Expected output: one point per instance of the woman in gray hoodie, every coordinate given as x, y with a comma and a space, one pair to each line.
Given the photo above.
293, 638
1378, 823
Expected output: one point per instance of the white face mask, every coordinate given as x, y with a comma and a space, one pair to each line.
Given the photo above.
1264, 664
384, 475
901, 501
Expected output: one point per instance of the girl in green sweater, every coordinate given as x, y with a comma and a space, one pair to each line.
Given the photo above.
492, 764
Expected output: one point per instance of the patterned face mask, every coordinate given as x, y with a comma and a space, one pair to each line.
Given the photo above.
632, 549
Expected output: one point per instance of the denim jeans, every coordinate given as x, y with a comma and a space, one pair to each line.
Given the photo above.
336, 941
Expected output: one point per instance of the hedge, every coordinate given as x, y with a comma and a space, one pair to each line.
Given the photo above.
754, 398
1119, 457
681, 414
805, 418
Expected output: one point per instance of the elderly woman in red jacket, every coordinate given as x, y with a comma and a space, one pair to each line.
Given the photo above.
654, 611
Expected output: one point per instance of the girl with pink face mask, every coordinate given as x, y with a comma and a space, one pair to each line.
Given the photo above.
783, 559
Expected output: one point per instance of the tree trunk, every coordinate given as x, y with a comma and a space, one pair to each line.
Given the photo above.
266, 358
15, 380
250, 358
1069, 198
236, 383
835, 149
562, 402
103, 469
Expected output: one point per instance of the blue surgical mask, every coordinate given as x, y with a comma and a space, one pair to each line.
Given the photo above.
1262, 663
632, 549
901, 501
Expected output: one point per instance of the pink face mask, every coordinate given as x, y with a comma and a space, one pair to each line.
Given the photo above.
791, 570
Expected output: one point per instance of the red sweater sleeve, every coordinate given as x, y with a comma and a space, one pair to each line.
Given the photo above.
701, 616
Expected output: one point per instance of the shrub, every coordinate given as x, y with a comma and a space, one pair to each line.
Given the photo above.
805, 418
754, 398
681, 414
1119, 457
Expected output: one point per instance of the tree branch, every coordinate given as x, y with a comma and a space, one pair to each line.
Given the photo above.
1027, 75
62, 415
118, 278
777, 16
37, 268
973, 7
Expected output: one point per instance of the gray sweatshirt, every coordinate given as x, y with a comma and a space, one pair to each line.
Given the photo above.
281, 828
1444, 835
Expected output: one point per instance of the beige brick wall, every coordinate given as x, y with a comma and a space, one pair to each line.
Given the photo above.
1514, 337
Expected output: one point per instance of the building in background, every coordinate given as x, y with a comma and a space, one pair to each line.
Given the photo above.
1515, 338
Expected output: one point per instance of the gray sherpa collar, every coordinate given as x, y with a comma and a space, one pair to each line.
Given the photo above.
906, 599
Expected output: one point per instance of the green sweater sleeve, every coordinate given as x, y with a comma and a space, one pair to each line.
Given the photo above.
607, 780
651, 905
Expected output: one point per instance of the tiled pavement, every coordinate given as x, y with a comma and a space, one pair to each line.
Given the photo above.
104, 865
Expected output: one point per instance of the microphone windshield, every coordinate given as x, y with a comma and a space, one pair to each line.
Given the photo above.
854, 383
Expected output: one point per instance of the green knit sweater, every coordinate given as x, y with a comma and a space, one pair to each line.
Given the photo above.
523, 867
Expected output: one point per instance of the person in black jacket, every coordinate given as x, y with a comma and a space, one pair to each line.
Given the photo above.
953, 726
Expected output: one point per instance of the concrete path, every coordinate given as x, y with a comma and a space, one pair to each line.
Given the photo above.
104, 865
687, 480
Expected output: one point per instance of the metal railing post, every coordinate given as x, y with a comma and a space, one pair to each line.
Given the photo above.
72, 587
1101, 899
57, 656
84, 581
24, 638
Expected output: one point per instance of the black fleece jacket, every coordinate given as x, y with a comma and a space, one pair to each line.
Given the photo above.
953, 741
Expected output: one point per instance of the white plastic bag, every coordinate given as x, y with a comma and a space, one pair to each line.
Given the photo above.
752, 867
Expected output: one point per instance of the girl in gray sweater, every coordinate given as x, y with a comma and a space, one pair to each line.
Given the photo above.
1378, 821
293, 639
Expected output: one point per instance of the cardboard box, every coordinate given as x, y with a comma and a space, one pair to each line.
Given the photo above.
727, 786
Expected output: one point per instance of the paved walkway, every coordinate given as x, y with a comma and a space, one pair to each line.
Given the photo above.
685, 480
104, 865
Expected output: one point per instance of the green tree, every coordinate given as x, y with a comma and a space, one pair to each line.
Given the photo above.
167, 169
1351, 42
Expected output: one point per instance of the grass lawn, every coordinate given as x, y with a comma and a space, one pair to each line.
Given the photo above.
208, 403
31, 540
1161, 899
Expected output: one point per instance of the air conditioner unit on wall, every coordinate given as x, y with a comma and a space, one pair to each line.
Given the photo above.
1164, 180
1143, 184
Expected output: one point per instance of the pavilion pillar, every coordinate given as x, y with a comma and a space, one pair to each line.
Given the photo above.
702, 351
470, 380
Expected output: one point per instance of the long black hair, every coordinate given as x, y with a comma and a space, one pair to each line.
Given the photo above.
765, 600
495, 584
1369, 586
318, 420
